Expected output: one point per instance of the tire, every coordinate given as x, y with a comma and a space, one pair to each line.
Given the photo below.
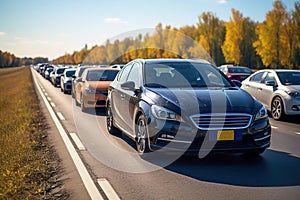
141, 132
110, 122
83, 108
277, 109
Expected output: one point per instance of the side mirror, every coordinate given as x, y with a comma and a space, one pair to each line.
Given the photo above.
237, 83
73, 76
270, 83
129, 85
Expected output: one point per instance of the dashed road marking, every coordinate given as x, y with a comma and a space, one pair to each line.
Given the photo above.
274, 127
108, 189
46, 94
60, 116
77, 141
298, 133
49, 99
52, 104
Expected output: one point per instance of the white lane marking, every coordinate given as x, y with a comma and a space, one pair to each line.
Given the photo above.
83, 172
77, 141
297, 133
274, 127
46, 94
49, 99
60, 116
108, 189
52, 104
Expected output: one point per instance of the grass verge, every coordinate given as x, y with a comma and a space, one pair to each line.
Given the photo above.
28, 165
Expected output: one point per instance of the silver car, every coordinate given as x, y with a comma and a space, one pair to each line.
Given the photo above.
277, 90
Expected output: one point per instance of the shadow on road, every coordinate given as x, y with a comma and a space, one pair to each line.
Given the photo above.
273, 168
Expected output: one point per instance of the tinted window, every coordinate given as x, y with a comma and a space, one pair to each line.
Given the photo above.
70, 73
134, 75
257, 77
60, 71
239, 70
124, 73
101, 75
183, 74
289, 78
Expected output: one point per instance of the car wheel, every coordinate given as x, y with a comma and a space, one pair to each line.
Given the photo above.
83, 108
141, 135
110, 121
277, 110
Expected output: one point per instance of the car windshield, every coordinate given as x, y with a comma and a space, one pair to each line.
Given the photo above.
70, 73
183, 74
289, 78
235, 70
101, 75
60, 71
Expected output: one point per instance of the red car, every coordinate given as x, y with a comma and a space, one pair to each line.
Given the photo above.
233, 72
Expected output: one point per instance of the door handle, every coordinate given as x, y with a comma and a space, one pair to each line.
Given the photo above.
259, 89
122, 96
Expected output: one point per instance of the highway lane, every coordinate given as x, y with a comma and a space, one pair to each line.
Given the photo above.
274, 175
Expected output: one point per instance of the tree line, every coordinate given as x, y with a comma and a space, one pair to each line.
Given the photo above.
10, 60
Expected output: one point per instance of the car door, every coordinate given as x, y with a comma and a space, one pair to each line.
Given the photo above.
253, 85
130, 98
266, 92
117, 98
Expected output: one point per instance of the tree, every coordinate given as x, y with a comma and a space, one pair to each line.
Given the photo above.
271, 43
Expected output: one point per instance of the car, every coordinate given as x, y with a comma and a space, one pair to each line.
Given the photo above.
93, 91
66, 80
234, 72
278, 90
182, 105
48, 72
76, 76
56, 74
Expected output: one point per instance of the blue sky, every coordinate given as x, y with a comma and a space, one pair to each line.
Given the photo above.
51, 28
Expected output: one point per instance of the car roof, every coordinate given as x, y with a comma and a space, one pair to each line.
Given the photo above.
101, 69
278, 70
173, 60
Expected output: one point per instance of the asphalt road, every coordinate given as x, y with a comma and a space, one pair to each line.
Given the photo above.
273, 175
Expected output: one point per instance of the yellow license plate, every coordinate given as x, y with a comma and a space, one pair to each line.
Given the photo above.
225, 135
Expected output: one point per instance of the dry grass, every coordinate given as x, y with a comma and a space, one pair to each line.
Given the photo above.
27, 164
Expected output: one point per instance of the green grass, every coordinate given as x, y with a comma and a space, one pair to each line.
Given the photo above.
26, 162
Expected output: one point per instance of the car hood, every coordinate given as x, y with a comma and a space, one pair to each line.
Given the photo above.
195, 101
98, 85
292, 88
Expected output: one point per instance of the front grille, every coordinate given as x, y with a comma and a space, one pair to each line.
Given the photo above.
220, 121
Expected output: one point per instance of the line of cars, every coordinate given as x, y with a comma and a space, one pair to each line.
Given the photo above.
178, 105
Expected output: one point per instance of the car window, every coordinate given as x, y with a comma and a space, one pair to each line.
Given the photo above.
124, 73
257, 77
183, 75
134, 75
101, 75
289, 78
70, 73
270, 77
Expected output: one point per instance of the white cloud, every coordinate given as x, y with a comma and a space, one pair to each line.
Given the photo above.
222, 1
2, 33
115, 21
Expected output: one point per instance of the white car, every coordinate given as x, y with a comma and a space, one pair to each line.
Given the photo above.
66, 80
277, 90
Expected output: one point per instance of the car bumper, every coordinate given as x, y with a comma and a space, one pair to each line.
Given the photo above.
94, 100
175, 137
292, 106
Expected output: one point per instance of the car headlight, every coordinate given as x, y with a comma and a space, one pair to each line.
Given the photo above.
164, 113
262, 113
293, 93
91, 91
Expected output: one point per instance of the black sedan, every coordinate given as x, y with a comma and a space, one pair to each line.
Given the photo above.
188, 106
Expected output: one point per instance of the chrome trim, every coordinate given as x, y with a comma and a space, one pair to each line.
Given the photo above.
220, 115
262, 138
173, 140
